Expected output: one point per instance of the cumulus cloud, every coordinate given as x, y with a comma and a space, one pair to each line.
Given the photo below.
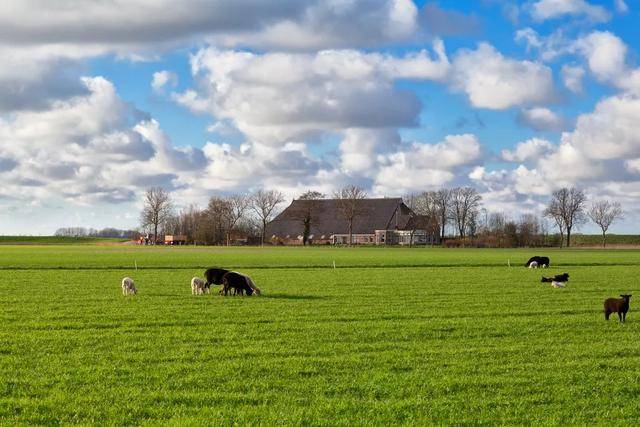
621, 6
531, 149
542, 119
294, 95
543, 10
572, 77
494, 81
421, 166
606, 56
85, 150
163, 78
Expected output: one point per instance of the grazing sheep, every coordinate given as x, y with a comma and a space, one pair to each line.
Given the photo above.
558, 284
617, 305
563, 278
541, 261
197, 286
213, 276
239, 283
533, 264
128, 287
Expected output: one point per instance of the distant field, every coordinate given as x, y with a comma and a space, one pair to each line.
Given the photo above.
612, 239
53, 240
390, 336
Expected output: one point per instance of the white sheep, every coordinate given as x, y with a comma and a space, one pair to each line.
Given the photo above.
197, 286
128, 287
533, 264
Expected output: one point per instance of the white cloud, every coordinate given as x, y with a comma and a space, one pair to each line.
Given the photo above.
606, 56
423, 166
621, 6
542, 119
162, 79
494, 81
294, 95
85, 150
572, 77
531, 149
543, 10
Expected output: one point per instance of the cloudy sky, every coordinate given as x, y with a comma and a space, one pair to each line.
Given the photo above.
100, 100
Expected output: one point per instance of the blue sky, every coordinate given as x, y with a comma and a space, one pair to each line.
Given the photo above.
517, 99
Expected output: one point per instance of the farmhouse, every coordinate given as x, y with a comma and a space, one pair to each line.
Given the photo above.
376, 222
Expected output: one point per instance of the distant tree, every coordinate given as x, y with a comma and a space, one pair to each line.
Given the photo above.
350, 205
157, 209
217, 213
442, 200
264, 204
311, 195
426, 205
604, 213
569, 205
554, 213
236, 208
465, 202
307, 214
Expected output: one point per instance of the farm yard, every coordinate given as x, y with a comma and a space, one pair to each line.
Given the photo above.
388, 336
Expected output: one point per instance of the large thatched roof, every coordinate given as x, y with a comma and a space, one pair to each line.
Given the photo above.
328, 219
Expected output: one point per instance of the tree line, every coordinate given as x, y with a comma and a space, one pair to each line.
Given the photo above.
92, 232
246, 214
448, 212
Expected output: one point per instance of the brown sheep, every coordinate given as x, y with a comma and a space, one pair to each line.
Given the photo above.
617, 305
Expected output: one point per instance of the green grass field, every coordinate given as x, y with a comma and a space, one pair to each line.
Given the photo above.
390, 336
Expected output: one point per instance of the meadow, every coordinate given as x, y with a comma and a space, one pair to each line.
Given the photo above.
389, 336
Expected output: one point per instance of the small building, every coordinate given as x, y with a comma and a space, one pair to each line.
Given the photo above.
177, 239
377, 222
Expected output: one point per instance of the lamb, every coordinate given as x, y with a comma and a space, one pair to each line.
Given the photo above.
198, 286
128, 287
617, 305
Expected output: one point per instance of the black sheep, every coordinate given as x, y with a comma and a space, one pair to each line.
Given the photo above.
617, 305
562, 278
542, 261
213, 276
236, 281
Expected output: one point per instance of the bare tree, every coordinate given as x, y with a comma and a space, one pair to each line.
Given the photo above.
553, 212
569, 204
442, 200
311, 195
236, 207
425, 205
157, 209
464, 202
264, 204
350, 205
604, 213
307, 212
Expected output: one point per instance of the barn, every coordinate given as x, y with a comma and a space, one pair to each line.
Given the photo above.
377, 222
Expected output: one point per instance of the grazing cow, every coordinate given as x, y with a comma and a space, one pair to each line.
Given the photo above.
541, 261
213, 276
617, 305
128, 287
197, 286
240, 283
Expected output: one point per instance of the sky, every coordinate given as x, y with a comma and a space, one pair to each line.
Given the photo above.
101, 100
